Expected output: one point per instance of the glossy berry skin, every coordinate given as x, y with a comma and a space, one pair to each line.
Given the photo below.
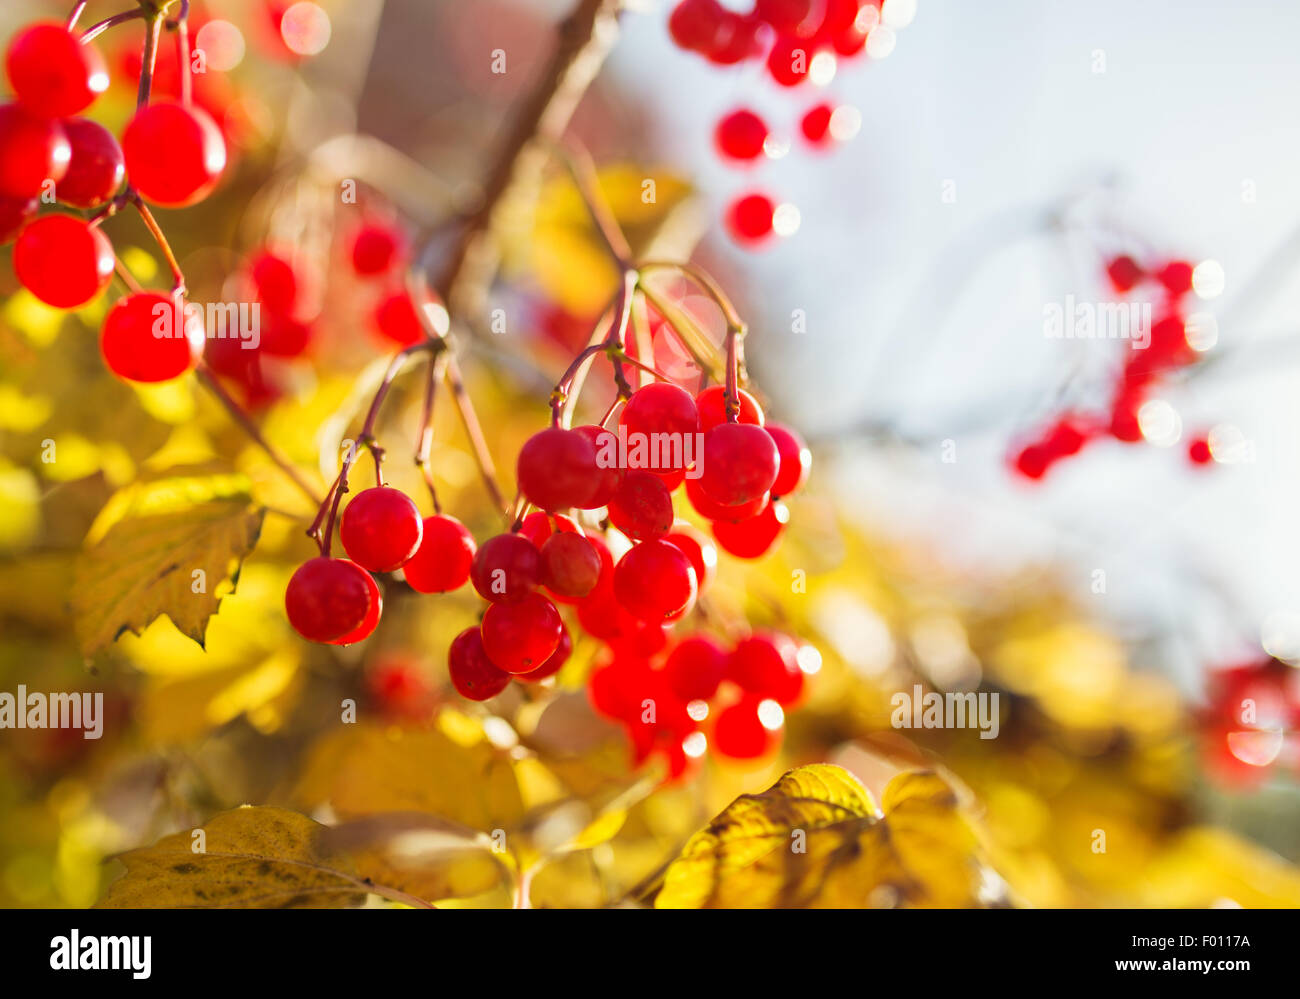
443, 560
557, 469
710, 509
740, 135
695, 667
642, 507
521, 635
381, 528
14, 214
553, 664
754, 537
570, 565
1124, 273
471, 672
52, 73
506, 567
695, 24
537, 526
654, 581
275, 282
148, 337
607, 475
712, 406
375, 249
63, 261
366, 627
328, 598
740, 735
396, 319
701, 552
96, 169
32, 151
739, 464
660, 408
765, 665
174, 154
749, 219
796, 460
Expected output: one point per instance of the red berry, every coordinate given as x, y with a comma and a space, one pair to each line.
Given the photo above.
174, 154
557, 469
654, 581
755, 536
796, 460
740, 734
443, 560
788, 17
788, 61
63, 261
765, 665
642, 507
556, 661
816, 124
739, 464
695, 24
14, 214
710, 509
364, 629
521, 635
741, 135
749, 219
52, 72
1033, 461
537, 526
1198, 450
712, 405
845, 25
396, 318
603, 617
695, 668
150, 337
375, 249
617, 690
275, 282
698, 548
381, 528
1067, 437
1176, 276
607, 474
657, 409
471, 672
96, 168
33, 150
506, 567
400, 690
1124, 273
328, 598
570, 565
284, 336
1124, 424
739, 37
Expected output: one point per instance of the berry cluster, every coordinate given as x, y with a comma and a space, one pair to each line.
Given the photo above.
798, 41
1249, 723
172, 154
1172, 345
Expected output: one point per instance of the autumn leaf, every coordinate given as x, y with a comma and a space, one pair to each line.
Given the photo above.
250, 857
815, 839
171, 544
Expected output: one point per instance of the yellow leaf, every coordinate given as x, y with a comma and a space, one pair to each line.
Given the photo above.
148, 547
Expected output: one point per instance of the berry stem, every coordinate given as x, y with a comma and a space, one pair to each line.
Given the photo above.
731, 395
152, 29
182, 24
178, 276
95, 30
704, 280
127, 277
77, 10
209, 381
578, 162
473, 430
435, 372
703, 353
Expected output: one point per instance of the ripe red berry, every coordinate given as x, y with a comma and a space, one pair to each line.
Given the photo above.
695, 24
816, 124
14, 214
52, 72
608, 474
275, 281
753, 537
396, 318
739, 37
570, 565
1066, 437
1176, 276
695, 668
33, 150
537, 526
521, 635
846, 23
471, 672
749, 218
400, 690
642, 507
710, 509
765, 665
557, 469
788, 61
1124, 424
741, 135
739, 464
654, 581
555, 663
284, 336
506, 567
698, 548
712, 405
788, 17
442, 562
174, 154
1124, 273
96, 168
375, 249
150, 337
1198, 450
660, 408
1033, 461
740, 734
371, 621
616, 690
381, 528
63, 261
327, 598
796, 460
